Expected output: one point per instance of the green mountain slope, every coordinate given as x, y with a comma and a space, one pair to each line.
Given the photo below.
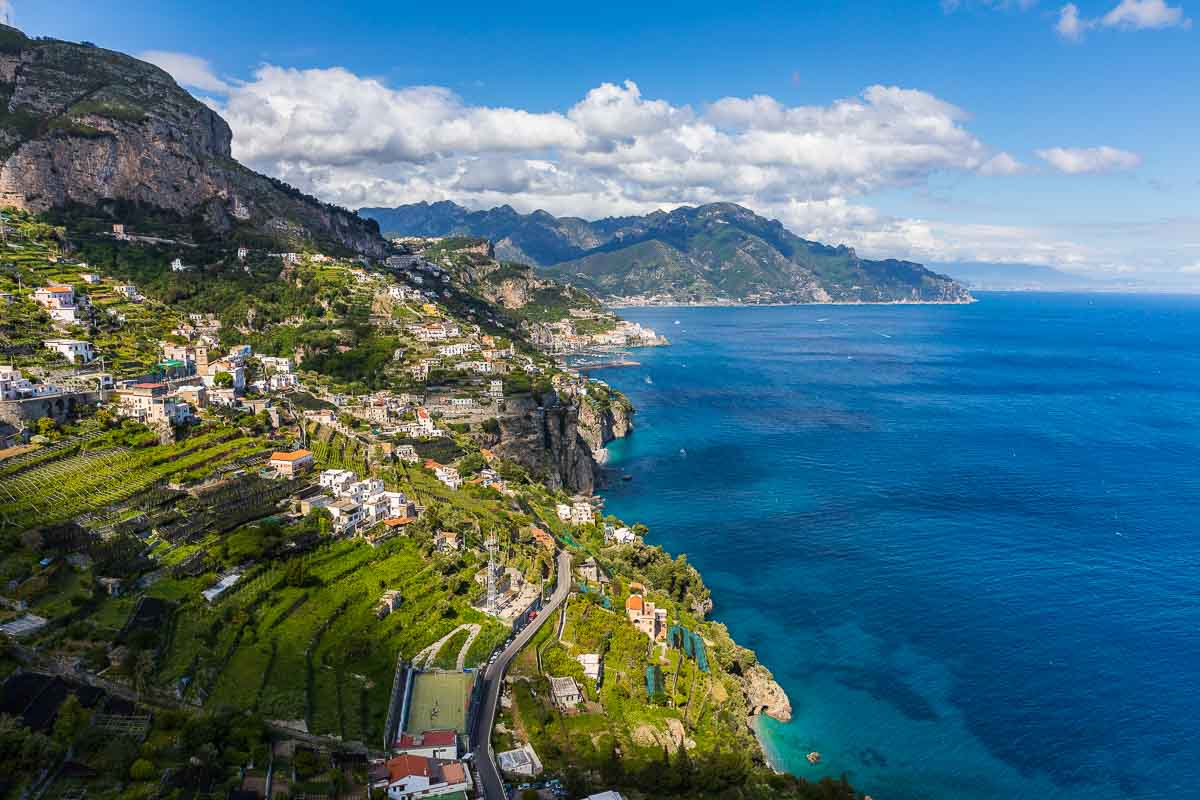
84, 127
716, 252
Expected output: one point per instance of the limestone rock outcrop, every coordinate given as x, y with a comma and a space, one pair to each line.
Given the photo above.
81, 126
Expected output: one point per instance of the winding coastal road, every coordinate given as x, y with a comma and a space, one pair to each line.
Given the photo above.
493, 679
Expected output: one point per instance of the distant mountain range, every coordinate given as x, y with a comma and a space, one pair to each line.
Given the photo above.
1000, 277
720, 252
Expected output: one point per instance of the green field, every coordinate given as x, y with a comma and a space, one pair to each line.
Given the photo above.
439, 702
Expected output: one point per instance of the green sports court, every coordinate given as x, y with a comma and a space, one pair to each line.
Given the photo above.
439, 702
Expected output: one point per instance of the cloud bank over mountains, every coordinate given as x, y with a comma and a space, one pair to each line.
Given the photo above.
356, 141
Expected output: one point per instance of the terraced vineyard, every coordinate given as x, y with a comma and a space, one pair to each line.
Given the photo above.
315, 652
333, 450
68, 483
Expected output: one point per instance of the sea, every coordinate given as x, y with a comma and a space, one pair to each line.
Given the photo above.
965, 538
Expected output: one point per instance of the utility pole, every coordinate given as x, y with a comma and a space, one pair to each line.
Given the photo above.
491, 574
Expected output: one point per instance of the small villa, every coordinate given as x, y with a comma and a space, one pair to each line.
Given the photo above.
293, 463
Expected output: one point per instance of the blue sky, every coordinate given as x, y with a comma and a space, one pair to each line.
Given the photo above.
1041, 132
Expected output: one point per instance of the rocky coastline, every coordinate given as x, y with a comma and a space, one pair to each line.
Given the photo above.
763, 695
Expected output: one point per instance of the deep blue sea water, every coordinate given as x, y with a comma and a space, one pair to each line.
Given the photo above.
966, 539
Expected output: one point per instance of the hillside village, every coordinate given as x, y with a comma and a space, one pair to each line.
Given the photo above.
328, 492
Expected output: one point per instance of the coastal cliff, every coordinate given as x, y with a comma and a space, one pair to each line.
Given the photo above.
562, 441
764, 695
85, 127
546, 440
604, 415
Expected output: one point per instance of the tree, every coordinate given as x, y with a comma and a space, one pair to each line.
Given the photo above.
72, 717
306, 763
222, 380
295, 574
471, 463
142, 770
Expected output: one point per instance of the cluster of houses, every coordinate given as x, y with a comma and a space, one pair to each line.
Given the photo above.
156, 403
579, 512
61, 303
423, 765
358, 504
15, 386
563, 336
191, 377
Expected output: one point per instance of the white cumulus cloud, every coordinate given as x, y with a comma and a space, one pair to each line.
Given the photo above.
1128, 15
1070, 25
1145, 14
1001, 164
1084, 160
187, 70
358, 141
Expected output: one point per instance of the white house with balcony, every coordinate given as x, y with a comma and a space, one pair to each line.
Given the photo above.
76, 351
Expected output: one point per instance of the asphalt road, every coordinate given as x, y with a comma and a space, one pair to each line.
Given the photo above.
493, 678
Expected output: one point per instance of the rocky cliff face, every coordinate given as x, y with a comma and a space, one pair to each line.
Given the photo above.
80, 125
599, 425
764, 695
561, 442
546, 440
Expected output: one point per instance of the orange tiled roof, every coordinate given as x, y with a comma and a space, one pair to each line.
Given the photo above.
396, 522
403, 766
453, 773
295, 455
634, 603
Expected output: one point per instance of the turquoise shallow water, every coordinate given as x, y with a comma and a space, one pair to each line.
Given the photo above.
963, 538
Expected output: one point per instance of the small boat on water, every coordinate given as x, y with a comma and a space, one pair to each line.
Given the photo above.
626, 477
814, 757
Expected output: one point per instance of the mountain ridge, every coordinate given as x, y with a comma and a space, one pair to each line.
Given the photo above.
85, 127
719, 252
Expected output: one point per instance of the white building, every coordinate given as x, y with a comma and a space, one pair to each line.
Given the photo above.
346, 515
276, 364
59, 302
150, 402
337, 481
456, 349
54, 296
235, 371
74, 350
565, 692
448, 475
578, 513
15, 386
178, 266
619, 535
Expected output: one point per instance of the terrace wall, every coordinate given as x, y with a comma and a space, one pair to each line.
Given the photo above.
59, 406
